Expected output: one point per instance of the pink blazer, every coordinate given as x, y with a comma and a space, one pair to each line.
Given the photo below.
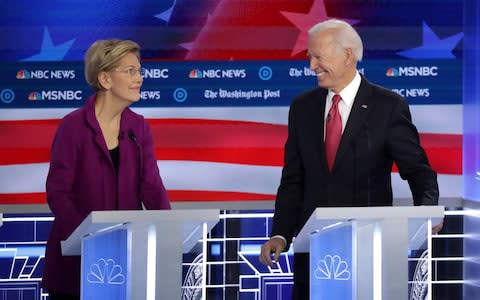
82, 179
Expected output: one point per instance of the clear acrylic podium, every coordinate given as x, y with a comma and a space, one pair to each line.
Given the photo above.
136, 254
362, 252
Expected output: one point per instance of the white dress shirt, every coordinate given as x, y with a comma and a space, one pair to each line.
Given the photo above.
345, 105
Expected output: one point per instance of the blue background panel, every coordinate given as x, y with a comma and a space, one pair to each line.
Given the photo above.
225, 270
105, 266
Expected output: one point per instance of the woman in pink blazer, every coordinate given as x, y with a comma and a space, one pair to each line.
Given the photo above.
102, 158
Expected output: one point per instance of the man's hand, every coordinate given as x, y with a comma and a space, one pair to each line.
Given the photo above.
437, 228
274, 245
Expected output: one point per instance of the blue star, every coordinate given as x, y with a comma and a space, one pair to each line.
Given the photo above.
50, 52
167, 14
433, 47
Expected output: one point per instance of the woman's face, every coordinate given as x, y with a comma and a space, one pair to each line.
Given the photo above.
127, 79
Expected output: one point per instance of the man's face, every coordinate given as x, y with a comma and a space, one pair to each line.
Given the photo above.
329, 61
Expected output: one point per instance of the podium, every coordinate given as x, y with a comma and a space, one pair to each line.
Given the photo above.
362, 252
136, 254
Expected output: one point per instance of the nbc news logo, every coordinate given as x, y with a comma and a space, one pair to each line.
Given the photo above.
45, 74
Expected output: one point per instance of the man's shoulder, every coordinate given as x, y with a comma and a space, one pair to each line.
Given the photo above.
382, 93
310, 96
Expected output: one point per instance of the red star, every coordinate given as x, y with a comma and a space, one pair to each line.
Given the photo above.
304, 22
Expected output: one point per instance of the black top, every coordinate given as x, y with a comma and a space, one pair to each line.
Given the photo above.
114, 154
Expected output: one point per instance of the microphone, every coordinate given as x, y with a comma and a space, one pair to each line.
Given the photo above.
133, 138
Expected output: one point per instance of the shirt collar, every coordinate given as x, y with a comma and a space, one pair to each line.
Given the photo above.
349, 92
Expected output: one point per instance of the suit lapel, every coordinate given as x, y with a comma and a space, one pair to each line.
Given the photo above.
315, 116
361, 107
95, 127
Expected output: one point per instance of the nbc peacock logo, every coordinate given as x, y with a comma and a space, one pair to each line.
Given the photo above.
392, 72
33, 96
195, 73
23, 74
332, 267
106, 271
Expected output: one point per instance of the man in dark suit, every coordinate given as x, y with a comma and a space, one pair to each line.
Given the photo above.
343, 138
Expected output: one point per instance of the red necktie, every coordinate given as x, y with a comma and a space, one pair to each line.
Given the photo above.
333, 131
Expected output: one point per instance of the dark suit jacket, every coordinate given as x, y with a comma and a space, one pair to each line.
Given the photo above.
82, 179
378, 132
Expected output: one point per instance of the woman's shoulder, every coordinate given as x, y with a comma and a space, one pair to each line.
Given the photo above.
133, 122
79, 114
132, 118
74, 117
71, 126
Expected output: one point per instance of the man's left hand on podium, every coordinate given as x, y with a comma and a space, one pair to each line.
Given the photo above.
437, 228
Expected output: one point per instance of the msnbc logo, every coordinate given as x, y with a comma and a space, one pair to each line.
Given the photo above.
35, 96
195, 73
55, 95
424, 71
23, 74
392, 72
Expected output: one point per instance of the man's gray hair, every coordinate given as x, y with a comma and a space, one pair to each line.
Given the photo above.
346, 36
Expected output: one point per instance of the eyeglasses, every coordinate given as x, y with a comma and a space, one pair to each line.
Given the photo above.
131, 71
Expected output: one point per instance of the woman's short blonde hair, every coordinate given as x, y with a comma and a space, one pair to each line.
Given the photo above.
104, 55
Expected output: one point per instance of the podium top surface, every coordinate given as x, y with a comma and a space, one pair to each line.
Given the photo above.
324, 218
102, 221
377, 212
150, 216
